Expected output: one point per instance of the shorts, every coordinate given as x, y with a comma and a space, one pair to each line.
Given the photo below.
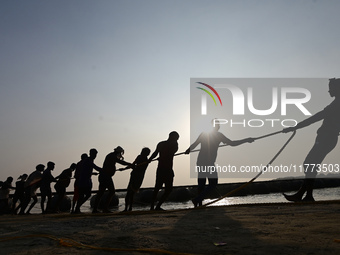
165, 177
106, 182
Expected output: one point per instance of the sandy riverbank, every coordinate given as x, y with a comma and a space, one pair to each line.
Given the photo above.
261, 229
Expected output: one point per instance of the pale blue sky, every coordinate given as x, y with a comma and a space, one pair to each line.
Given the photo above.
81, 74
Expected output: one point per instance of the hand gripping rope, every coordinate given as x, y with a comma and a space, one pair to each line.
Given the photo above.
223, 145
253, 179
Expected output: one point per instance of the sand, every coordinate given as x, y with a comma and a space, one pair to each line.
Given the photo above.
287, 228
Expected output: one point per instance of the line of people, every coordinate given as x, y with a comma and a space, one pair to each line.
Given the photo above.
27, 185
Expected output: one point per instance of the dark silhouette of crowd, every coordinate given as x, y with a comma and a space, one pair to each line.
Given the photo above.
26, 188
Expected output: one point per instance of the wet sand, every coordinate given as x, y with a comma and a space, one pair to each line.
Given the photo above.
247, 229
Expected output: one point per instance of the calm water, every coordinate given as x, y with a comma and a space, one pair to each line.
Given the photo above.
319, 195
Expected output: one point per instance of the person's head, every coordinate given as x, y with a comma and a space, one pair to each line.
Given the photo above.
83, 156
73, 166
173, 136
334, 87
216, 124
119, 152
145, 151
23, 177
50, 165
40, 167
9, 179
93, 153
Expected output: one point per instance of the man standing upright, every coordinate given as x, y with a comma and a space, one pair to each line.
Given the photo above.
85, 178
210, 142
165, 173
45, 187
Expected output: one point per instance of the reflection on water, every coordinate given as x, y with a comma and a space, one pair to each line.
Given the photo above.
319, 195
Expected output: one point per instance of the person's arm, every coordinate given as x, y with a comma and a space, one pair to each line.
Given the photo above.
316, 117
123, 169
194, 145
51, 178
133, 165
7, 186
95, 167
154, 154
227, 141
61, 175
239, 142
124, 163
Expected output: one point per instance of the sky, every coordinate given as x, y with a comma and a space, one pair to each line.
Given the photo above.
76, 75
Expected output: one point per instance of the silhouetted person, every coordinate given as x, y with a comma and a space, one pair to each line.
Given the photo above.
45, 187
76, 182
63, 181
31, 186
210, 142
325, 142
165, 173
136, 177
105, 177
19, 194
85, 179
5, 188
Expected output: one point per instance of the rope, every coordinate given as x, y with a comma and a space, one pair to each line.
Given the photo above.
67, 242
181, 153
223, 145
260, 173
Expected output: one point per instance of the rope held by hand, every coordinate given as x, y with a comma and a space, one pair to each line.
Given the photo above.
260, 173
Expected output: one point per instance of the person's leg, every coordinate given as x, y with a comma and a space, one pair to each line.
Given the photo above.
26, 201
208, 189
127, 200
99, 195
42, 202
158, 186
297, 197
81, 199
131, 200
168, 188
21, 202
35, 200
84, 194
61, 194
75, 197
14, 202
87, 195
197, 201
49, 199
112, 190
205, 190
309, 188
133, 187
313, 159
322, 146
